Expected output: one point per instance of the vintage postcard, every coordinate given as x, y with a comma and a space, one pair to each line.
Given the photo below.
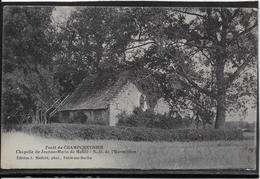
118, 87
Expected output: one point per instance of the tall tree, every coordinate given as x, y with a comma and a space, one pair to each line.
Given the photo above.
209, 50
27, 59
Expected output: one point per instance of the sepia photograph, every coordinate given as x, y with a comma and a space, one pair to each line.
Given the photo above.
118, 87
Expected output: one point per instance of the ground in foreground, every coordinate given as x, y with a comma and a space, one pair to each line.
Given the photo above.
133, 155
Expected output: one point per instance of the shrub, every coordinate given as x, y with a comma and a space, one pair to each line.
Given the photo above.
79, 131
149, 119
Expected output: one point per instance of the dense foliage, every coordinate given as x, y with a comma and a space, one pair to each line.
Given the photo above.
28, 74
149, 119
204, 60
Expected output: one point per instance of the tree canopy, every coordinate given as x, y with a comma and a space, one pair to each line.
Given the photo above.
27, 60
203, 59
211, 51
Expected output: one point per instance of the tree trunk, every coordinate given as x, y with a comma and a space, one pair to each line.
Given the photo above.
221, 95
221, 111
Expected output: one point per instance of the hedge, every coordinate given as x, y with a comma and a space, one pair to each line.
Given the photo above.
76, 131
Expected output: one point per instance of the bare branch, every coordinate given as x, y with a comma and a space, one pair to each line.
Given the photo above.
190, 13
210, 60
194, 45
234, 15
140, 29
139, 45
242, 33
200, 48
192, 54
190, 81
237, 73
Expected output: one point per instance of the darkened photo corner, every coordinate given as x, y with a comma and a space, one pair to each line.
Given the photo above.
92, 87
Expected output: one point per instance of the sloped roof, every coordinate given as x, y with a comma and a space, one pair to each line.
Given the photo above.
93, 93
85, 98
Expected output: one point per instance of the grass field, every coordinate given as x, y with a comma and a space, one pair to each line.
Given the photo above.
148, 155
70, 131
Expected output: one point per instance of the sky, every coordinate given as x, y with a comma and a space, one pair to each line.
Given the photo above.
61, 14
